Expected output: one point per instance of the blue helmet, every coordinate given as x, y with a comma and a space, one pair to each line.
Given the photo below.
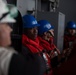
71, 25
29, 21
44, 26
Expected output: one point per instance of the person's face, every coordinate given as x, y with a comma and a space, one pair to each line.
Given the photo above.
48, 34
51, 32
32, 33
5, 34
72, 31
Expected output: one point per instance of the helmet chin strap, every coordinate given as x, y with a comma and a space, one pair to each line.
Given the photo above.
52, 35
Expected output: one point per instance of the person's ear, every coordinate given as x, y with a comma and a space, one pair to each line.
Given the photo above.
45, 33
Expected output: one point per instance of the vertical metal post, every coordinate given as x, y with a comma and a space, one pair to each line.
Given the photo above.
36, 8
